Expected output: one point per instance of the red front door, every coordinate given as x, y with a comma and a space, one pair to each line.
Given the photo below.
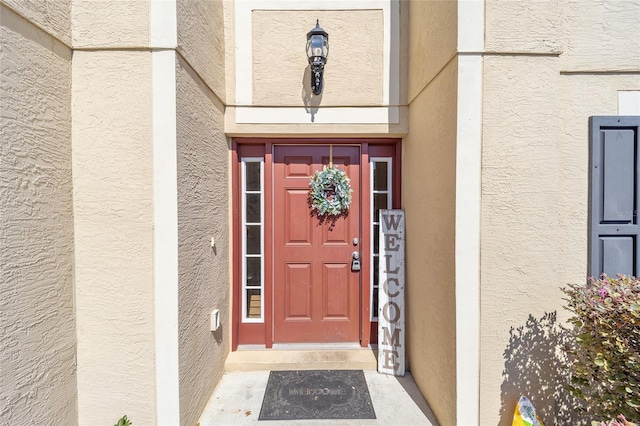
316, 294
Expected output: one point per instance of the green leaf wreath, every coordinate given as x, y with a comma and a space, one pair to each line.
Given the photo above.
330, 193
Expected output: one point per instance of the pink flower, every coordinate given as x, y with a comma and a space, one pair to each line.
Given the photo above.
603, 292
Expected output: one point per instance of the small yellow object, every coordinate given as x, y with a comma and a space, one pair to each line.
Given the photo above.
525, 414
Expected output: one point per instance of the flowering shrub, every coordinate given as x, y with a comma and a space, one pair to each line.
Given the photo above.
605, 357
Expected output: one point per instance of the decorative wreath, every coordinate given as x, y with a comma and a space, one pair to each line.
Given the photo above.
330, 193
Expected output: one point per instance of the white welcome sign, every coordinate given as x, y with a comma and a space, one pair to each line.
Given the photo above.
391, 334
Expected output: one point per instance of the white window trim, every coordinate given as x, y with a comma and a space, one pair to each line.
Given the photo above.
244, 255
389, 192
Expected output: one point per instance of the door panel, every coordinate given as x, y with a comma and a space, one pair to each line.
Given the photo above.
335, 282
316, 295
297, 291
298, 232
339, 233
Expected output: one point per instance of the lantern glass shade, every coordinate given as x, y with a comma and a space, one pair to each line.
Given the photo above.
317, 45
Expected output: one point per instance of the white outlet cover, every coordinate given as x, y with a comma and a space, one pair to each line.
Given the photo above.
215, 319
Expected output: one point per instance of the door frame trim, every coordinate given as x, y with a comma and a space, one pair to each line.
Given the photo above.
262, 333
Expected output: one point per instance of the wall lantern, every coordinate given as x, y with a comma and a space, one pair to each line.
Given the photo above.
317, 53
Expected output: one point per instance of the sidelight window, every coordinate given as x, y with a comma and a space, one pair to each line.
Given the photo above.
252, 206
381, 198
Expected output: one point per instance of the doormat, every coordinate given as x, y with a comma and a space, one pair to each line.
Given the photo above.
316, 394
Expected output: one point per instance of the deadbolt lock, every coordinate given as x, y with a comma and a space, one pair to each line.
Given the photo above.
355, 261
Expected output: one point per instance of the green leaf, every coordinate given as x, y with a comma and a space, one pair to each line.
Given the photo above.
633, 404
124, 421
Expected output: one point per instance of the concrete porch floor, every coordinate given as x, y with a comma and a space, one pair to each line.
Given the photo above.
238, 397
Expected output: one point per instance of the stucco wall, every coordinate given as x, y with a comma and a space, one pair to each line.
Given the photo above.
54, 18
429, 186
520, 235
270, 79
429, 170
432, 40
201, 40
535, 183
514, 26
112, 24
37, 320
353, 75
203, 203
599, 35
228, 13
113, 207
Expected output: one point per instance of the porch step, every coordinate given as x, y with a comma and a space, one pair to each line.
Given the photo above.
301, 359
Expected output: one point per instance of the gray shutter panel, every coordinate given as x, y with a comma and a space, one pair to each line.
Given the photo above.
614, 194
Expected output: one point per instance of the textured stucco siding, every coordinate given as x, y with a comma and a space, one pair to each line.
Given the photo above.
228, 13
433, 40
429, 183
112, 24
428, 194
203, 213
522, 26
203, 202
520, 236
201, 40
113, 207
535, 183
37, 320
354, 71
53, 17
601, 35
